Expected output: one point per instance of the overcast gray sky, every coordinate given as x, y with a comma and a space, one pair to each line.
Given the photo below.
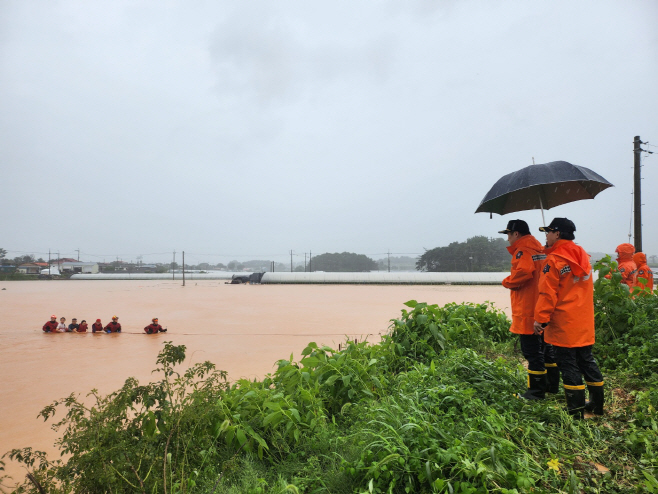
241, 130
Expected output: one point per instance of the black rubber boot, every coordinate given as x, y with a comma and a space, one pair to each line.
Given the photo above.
536, 386
552, 378
596, 399
575, 401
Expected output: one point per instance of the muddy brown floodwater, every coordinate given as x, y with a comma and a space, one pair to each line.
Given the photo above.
243, 329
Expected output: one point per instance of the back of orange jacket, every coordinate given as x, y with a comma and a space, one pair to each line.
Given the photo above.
527, 261
566, 296
626, 266
643, 271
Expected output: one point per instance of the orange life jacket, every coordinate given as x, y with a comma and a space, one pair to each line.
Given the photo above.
566, 296
527, 262
643, 271
82, 328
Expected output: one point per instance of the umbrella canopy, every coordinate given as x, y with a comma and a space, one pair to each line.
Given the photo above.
542, 187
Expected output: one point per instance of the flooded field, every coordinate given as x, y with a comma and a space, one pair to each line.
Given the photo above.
243, 329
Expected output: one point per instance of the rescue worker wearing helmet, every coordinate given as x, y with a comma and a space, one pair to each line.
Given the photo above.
565, 314
51, 326
625, 264
643, 271
114, 326
527, 262
154, 327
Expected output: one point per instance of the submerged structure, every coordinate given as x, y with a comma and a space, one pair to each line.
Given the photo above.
376, 278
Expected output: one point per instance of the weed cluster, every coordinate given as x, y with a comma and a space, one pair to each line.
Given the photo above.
425, 410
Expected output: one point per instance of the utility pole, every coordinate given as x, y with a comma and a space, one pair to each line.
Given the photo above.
310, 261
173, 267
304, 261
389, 260
637, 193
78, 251
183, 268
291, 260
49, 262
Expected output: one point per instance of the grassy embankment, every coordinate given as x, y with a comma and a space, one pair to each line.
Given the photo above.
429, 409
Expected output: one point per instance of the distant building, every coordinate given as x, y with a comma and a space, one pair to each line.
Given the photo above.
29, 268
143, 268
78, 267
7, 269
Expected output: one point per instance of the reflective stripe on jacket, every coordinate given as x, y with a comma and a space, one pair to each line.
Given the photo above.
566, 296
527, 261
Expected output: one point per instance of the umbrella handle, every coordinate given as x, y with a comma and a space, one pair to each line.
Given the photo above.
542, 211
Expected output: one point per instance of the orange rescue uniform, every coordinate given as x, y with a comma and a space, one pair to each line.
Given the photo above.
626, 266
643, 271
566, 296
527, 261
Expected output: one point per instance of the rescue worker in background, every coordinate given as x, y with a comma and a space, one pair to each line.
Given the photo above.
83, 327
626, 266
51, 326
97, 327
527, 262
565, 314
154, 327
643, 271
114, 326
73, 326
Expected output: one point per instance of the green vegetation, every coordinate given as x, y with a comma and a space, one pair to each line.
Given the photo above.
344, 262
476, 254
16, 276
429, 409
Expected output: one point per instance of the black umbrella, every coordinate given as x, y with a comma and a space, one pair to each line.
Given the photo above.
542, 187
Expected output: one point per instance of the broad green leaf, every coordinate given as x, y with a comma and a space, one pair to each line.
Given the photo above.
241, 437
331, 380
310, 361
273, 418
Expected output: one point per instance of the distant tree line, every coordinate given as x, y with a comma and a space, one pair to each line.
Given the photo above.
16, 261
476, 254
343, 262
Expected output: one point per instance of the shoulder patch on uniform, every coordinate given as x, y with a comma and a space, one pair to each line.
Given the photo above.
641, 271
546, 269
621, 270
566, 269
519, 254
